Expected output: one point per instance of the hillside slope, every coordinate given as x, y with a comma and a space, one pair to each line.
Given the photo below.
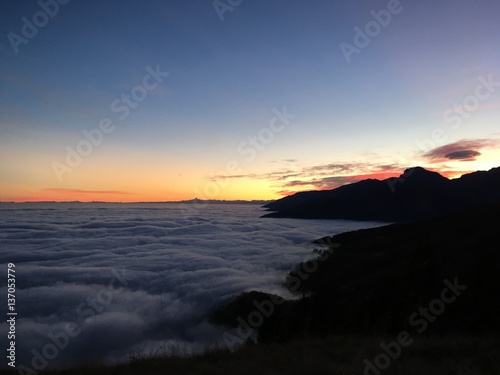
416, 195
374, 280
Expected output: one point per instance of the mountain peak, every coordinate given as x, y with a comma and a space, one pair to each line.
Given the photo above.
419, 171
422, 175
416, 169
417, 194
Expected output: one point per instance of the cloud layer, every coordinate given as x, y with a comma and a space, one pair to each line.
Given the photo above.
132, 278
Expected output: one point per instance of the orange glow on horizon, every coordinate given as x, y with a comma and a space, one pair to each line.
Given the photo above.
204, 189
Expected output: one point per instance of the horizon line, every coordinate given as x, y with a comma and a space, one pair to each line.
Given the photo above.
181, 201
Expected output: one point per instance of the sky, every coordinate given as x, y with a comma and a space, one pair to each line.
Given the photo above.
235, 99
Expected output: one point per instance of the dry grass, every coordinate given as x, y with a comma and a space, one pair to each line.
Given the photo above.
333, 356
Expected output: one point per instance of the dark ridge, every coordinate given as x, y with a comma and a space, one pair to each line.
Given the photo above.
417, 194
373, 281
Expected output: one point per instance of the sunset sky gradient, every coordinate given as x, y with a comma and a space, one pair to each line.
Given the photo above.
179, 103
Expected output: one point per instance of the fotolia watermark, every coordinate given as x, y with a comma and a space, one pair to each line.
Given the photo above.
249, 149
60, 340
372, 29
122, 107
31, 27
222, 7
420, 319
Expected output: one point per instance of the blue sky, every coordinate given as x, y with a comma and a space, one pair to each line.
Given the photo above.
226, 80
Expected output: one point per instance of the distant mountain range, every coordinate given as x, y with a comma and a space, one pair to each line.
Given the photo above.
219, 201
416, 195
190, 201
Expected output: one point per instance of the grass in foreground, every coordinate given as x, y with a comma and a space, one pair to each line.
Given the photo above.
332, 356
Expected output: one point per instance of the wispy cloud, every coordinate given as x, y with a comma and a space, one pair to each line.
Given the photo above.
461, 109
323, 183
80, 191
296, 176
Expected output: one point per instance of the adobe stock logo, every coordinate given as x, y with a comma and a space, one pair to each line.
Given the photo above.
460, 111
249, 148
122, 107
222, 7
421, 319
60, 339
372, 29
40, 19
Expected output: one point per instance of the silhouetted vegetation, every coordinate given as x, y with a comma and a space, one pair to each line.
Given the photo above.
378, 278
341, 355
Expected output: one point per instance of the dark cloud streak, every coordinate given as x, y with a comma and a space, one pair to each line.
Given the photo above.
463, 155
465, 149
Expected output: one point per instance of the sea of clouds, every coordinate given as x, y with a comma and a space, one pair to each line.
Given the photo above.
124, 280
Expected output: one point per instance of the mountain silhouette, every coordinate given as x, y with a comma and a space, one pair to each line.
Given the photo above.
372, 281
415, 195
